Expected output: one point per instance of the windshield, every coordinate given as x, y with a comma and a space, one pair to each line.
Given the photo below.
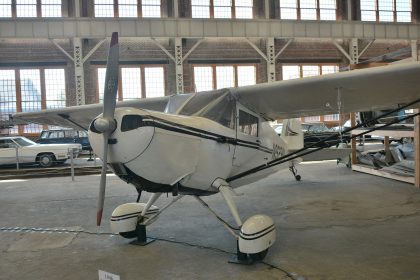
221, 111
23, 142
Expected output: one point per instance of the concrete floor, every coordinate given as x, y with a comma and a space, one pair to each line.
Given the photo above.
334, 224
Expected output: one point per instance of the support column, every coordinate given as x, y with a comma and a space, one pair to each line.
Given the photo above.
179, 70
267, 9
77, 8
415, 50
176, 9
271, 60
354, 51
78, 71
349, 10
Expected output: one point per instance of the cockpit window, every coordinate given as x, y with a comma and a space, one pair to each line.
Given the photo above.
248, 123
130, 122
223, 111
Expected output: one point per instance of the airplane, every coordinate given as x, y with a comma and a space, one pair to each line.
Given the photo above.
197, 144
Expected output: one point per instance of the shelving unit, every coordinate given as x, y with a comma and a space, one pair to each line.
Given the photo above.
386, 134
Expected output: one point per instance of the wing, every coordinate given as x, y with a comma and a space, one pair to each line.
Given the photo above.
80, 117
361, 90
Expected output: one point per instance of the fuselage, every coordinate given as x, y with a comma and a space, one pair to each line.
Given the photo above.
160, 152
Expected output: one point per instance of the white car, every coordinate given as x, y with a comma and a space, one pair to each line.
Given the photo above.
28, 151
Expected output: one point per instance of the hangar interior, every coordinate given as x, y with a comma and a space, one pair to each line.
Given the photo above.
53, 54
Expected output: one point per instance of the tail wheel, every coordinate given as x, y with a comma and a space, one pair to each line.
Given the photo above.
46, 160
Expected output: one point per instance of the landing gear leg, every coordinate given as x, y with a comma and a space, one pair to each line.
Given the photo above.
294, 172
142, 239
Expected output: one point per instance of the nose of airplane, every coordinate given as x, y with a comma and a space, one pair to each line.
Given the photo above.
129, 140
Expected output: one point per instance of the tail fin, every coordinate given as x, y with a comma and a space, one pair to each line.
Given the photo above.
292, 134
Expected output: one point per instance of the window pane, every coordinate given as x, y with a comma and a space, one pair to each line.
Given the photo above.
288, 3
222, 12
386, 5
131, 83
403, 5
369, 5
286, 13
6, 8
200, 8
246, 75
290, 72
30, 83
151, 8
308, 14
101, 83
327, 4
225, 76
154, 81
7, 95
55, 88
243, 12
310, 70
51, 8
368, 15
386, 16
248, 123
404, 17
327, 69
26, 8
104, 8
203, 78
312, 119
127, 8
327, 15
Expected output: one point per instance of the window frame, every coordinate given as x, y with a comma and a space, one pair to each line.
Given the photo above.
18, 92
139, 7
299, 11
214, 74
212, 10
377, 12
142, 80
38, 5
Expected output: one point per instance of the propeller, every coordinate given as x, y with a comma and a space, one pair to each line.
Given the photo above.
106, 123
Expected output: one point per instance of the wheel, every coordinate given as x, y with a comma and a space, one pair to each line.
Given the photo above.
129, 234
298, 177
258, 256
46, 160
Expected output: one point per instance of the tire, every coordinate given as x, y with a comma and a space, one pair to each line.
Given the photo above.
46, 160
129, 234
258, 256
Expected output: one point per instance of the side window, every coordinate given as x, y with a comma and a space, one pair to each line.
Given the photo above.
53, 135
82, 133
7, 143
248, 123
70, 133
44, 135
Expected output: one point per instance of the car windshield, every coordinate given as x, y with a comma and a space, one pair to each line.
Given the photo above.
23, 142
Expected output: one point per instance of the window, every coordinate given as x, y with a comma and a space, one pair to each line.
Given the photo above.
386, 10
39, 89
308, 9
243, 9
104, 8
26, 8
200, 8
223, 76
300, 71
248, 123
151, 8
55, 88
128, 8
51, 8
5, 8
136, 82
222, 9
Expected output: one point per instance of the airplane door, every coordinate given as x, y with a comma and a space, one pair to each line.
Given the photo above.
248, 152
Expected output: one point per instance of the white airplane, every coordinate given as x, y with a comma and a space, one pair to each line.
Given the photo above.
197, 144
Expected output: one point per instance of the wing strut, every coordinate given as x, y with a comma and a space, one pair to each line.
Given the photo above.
301, 152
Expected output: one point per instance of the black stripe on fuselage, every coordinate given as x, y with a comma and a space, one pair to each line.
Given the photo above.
183, 129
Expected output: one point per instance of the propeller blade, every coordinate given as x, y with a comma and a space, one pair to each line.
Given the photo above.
106, 123
111, 78
102, 184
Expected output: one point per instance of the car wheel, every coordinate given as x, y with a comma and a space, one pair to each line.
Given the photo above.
46, 160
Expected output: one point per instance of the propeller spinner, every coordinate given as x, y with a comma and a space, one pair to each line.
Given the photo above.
106, 124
